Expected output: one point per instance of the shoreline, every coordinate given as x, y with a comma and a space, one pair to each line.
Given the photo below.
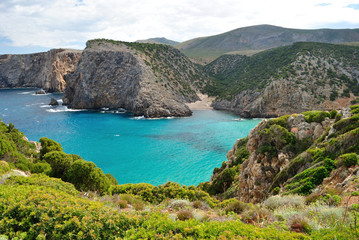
203, 104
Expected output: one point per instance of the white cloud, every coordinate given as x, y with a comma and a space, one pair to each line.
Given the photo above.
69, 23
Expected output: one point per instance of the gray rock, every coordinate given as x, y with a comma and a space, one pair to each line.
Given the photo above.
54, 102
46, 70
115, 76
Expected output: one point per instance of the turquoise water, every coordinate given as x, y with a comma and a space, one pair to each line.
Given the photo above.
183, 150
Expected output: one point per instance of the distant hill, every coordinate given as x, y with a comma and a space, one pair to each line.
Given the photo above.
286, 79
249, 40
159, 40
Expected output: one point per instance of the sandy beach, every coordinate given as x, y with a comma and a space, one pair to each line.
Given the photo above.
203, 104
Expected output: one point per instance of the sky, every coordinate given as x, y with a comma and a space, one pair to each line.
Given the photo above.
28, 26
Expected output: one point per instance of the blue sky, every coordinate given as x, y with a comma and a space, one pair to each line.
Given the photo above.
39, 25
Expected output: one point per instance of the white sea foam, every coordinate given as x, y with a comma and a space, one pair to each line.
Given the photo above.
24, 92
117, 135
139, 117
44, 106
238, 119
63, 109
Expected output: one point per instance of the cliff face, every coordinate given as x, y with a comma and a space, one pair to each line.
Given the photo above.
296, 154
287, 80
146, 79
46, 70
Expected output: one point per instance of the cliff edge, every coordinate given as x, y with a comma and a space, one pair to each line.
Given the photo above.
146, 79
46, 70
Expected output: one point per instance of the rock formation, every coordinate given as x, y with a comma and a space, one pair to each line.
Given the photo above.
46, 70
146, 79
294, 154
292, 79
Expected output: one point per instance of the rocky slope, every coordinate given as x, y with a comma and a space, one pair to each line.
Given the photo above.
291, 79
293, 154
46, 70
247, 40
153, 80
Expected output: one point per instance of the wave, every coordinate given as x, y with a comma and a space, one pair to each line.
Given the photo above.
45, 106
117, 135
238, 119
25, 93
63, 109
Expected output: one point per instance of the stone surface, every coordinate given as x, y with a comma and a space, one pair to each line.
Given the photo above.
116, 76
54, 102
46, 70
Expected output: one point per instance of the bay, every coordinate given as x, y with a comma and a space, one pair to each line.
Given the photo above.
133, 149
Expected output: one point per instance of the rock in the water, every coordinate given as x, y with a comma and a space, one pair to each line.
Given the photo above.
142, 80
40, 92
54, 102
46, 70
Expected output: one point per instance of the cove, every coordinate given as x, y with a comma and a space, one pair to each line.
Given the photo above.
133, 149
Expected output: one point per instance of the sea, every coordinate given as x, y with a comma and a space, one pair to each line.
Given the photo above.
132, 149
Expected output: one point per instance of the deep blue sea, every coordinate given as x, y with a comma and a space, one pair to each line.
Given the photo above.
133, 149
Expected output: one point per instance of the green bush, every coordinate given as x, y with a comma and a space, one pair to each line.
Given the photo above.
223, 181
184, 215
315, 116
49, 145
236, 207
60, 163
354, 109
333, 114
348, 160
87, 177
6, 146
40, 167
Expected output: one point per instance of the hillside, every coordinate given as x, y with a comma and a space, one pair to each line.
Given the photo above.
285, 80
252, 39
153, 80
63, 196
47, 70
159, 40
312, 153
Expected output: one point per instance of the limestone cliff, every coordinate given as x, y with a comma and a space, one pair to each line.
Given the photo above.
146, 79
46, 70
292, 79
295, 154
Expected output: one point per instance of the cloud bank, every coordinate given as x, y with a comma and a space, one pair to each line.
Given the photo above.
43, 24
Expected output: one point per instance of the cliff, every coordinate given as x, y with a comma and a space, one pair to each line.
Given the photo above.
293, 154
286, 80
153, 80
47, 70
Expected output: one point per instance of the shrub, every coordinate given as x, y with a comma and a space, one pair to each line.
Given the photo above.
60, 163
348, 160
121, 203
6, 147
333, 114
299, 224
236, 207
276, 190
178, 204
223, 181
40, 167
49, 145
4, 167
315, 116
184, 215
284, 201
87, 177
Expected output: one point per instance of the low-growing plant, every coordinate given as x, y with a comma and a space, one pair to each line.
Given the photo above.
184, 215
274, 202
236, 207
348, 160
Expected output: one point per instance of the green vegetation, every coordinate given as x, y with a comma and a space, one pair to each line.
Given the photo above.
256, 72
71, 198
172, 69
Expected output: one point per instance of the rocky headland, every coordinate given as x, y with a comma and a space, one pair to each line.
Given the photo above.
146, 79
286, 80
46, 70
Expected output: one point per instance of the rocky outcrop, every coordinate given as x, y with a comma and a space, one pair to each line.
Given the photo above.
146, 79
46, 70
291, 154
293, 79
